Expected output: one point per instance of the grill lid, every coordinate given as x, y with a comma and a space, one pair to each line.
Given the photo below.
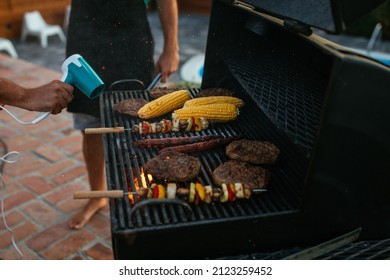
329, 15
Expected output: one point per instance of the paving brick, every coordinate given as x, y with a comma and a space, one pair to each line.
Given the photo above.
11, 186
24, 230
59, 124
8, 133
46, 238
12, 254
64, 193
5, 239
37, 183
12, 218
100, 223
41, 213
68, 131
75, 148
69, 175
17, 199
46, 134
23, 143
67, 141
70, 205
79, 156
100, 252
25, 158
49, 152
22, 167
71, 245
56, 167
20, 232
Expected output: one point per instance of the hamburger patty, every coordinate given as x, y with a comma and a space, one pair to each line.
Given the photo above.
233, 171
214, 92
129, 106
160, 91
173, 166
251, 151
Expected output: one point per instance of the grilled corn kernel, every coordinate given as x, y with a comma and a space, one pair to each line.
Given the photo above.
214, 112
199, 101
164, 104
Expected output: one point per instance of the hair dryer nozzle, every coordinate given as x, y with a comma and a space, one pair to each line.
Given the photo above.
77, 72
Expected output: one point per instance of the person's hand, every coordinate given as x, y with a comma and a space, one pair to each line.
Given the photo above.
167, 64
51, 97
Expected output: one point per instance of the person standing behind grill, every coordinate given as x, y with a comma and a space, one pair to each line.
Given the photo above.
116, 39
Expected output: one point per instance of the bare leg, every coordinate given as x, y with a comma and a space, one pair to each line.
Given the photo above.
94, 161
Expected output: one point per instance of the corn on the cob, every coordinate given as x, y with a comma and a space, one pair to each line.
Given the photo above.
199, 101
213, 112
164, 104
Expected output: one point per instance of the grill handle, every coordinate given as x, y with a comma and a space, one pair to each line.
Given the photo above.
139, 205
110, 89
155, 201
103, 130
98, 194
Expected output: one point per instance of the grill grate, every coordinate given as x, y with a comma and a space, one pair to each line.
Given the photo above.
124, 167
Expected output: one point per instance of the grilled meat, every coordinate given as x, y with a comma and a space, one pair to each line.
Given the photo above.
173, 166
199, 146
129, 106
214, 92
173, 141
251, 151
251, 176
160, 91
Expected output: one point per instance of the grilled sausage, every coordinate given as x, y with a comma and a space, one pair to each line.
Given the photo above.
200, 146
173, 141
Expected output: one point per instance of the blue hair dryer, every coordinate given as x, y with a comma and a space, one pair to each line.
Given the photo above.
77, 72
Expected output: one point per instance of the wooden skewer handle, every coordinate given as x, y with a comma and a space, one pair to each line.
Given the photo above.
98, 194
102, 130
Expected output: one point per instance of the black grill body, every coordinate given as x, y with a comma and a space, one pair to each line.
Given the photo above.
323, 106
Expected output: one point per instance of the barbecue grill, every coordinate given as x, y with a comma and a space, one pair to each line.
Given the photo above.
325, 107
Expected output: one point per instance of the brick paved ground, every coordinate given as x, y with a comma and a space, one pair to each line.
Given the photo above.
39, 186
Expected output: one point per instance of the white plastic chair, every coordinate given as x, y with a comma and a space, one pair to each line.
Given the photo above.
6, 45
35, 25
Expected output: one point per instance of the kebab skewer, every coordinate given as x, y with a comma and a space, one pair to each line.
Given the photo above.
194, 194
163, 126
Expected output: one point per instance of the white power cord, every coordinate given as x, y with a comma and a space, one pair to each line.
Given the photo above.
10, 157
37, 120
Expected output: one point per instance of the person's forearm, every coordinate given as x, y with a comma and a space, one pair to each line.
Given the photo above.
168, 13
50, 97
11, 93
